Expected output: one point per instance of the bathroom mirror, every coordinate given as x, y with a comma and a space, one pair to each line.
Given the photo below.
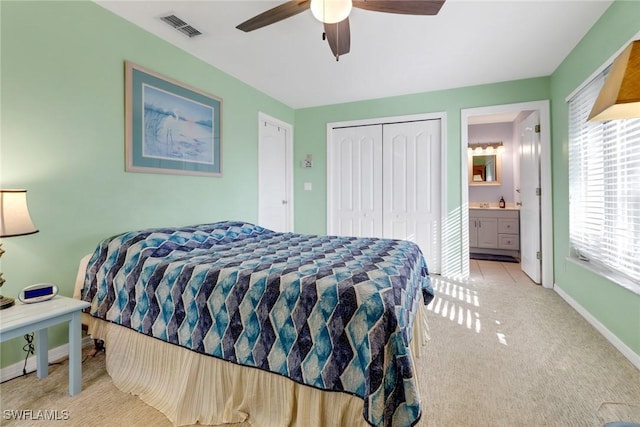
485, 169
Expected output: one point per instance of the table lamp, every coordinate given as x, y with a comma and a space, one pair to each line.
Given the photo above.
14, 221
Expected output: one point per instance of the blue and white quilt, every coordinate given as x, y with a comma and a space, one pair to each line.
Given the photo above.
335, 313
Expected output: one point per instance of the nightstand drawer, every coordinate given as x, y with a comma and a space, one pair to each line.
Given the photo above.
508, 226
509, 241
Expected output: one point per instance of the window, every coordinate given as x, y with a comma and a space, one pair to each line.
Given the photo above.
604, 190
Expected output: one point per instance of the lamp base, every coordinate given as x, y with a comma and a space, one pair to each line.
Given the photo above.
6, 302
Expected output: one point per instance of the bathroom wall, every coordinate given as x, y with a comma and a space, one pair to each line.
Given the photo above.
494, 132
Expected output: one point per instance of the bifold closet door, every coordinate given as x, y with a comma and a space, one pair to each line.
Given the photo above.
356, 184
412, 175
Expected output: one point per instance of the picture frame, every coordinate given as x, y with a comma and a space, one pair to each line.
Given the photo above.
170, 127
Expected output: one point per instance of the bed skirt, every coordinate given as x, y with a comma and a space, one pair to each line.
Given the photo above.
190, 387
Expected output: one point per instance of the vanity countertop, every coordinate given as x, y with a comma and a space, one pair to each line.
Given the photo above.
494, 208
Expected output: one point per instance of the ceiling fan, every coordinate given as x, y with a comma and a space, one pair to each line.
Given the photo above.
334, 14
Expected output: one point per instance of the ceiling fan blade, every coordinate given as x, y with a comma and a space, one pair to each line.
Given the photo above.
278, 13
405, 7
339, 37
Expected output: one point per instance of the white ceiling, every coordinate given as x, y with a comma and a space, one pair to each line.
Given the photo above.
467, 43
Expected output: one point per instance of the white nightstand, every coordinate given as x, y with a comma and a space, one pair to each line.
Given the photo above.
24, 318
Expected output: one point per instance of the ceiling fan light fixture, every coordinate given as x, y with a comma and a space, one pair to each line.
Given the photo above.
331, 11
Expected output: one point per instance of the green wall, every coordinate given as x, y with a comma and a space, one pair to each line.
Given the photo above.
616, 308
62, 136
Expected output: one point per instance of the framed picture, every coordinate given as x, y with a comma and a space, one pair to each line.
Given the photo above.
171, 128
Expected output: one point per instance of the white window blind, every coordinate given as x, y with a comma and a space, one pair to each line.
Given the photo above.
604, 188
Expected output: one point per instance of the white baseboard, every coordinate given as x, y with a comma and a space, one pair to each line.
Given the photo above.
633, 357
15, 370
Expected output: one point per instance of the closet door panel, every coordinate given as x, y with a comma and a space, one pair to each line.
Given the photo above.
384, 181
397, 164
357, 181
411, 185
425, 162
345, 172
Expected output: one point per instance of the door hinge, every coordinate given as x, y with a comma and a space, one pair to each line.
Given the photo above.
538, 191
537, 128
538, 255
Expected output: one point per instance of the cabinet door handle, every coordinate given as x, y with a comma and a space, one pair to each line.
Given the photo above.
479, 224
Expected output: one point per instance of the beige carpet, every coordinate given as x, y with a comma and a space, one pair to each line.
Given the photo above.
501, 354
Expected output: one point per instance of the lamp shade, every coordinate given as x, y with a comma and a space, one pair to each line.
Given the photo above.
14, 214
619, 98
331, 11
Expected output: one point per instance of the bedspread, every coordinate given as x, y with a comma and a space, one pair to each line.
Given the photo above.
335, 313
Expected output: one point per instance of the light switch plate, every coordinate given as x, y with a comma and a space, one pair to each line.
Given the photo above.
308, 186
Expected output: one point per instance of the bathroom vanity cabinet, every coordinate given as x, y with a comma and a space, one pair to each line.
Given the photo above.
494, 231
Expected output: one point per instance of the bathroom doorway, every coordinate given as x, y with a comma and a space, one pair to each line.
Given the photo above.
520, 135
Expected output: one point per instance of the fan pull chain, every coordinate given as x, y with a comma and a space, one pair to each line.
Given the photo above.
337, 42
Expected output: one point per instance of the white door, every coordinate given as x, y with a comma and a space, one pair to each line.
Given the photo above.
411, 186
356, 195
274, 175
529, 131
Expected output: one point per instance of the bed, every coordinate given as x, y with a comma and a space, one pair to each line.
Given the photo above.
233, 323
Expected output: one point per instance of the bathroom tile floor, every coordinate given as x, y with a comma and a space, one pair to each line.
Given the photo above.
496, 271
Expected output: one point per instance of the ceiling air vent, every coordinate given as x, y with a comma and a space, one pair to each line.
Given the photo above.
181, 25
